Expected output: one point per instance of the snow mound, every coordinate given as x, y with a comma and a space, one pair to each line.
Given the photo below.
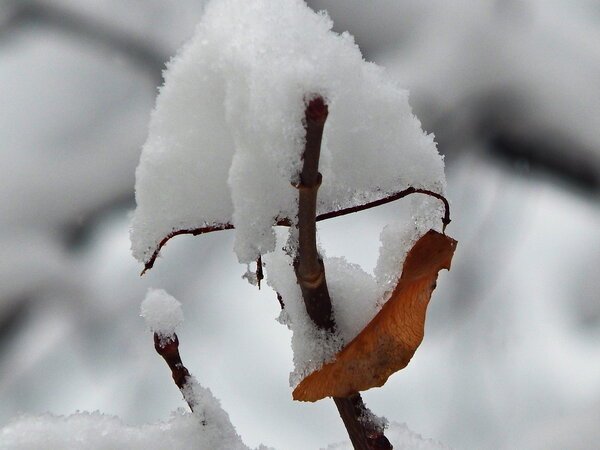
226, 136
161, 312
96, 431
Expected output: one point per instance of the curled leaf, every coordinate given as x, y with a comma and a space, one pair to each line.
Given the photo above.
389, 341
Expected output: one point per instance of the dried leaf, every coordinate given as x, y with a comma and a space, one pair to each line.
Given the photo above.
389, 341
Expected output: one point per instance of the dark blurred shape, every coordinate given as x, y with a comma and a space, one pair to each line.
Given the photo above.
545, 155
68, 21
12, 319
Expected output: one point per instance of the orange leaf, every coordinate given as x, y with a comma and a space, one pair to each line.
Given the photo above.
389, 341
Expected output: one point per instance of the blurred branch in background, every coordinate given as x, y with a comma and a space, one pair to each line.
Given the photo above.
514, 342
22, 13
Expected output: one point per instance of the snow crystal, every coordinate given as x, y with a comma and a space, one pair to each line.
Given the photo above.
161, 312
226, 135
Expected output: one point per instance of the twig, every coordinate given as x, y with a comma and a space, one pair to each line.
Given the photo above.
168, 348
194, 232
390, 198
310, 274
287, 222
309, 268
357, 417
69, 21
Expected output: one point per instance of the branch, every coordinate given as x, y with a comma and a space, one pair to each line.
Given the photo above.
390, 198
67, 21
168, 348
194, 232
288, 223
310, 274
309, 268
360, 423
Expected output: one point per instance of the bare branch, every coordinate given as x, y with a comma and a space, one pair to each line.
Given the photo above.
310, 274
365, 434
82, 26
310, 271
329, 215
168, 348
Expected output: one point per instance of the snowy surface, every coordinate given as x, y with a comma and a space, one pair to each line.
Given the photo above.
512, 347
226, 136
96, 431
161, 312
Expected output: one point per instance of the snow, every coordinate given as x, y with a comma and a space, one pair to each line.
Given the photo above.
311, 347
521, 63
161, 312
96, 431
354, 296
226, 135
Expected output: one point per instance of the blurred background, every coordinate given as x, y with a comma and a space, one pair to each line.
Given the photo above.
511, 356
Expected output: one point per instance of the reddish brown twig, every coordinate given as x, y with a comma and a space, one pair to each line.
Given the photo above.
390, 198
194, 232
168, 348
259, 271
358, 418
287, 222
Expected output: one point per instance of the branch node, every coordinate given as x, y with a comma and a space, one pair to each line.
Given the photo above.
316, 185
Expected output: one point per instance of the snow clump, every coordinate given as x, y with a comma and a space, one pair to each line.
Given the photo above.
225, 147
161, 312
226, 136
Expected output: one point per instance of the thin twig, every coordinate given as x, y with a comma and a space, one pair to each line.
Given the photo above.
285, 222
365, 433
390, 198
309, 268
168, 348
